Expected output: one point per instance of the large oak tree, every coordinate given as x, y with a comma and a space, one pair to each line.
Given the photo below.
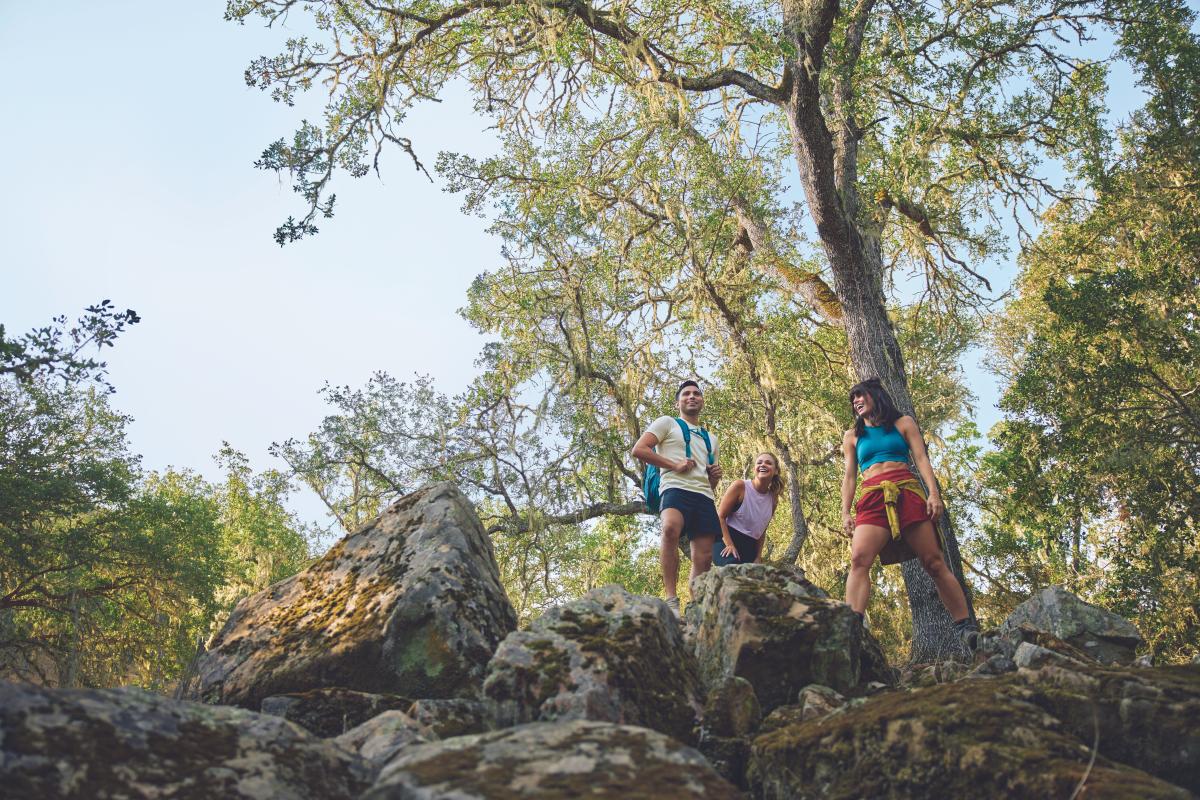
913, 127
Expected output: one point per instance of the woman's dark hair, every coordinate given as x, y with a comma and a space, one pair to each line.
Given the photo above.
885, 410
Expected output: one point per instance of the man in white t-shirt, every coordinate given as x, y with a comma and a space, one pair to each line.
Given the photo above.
686, 486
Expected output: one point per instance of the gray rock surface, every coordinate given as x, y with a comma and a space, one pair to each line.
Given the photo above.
731, 716
610, 656
1005, 737
818, 701
454, 716
410, 604
777, 630
1100, 634
127, 744
1033, 656
1146, 717
560, 760
333, 711
380, 738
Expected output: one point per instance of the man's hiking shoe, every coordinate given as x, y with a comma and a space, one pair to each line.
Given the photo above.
673, 604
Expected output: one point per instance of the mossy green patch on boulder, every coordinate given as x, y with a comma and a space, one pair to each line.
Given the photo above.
552, 761
126, 743
409, 604
981, 738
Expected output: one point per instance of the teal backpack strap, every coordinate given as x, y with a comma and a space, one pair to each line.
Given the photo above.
687, 437
707, 443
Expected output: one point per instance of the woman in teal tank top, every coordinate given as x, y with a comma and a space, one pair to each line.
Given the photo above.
893, 516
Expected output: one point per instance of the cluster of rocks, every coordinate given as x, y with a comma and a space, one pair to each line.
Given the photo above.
392, 668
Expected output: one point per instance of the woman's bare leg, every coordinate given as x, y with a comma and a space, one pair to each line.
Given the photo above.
922, 538
864, 547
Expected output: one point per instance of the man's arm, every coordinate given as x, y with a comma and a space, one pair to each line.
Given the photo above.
643, 450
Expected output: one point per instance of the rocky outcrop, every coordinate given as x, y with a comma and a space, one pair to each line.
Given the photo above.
772, 627
380, 738
1100, 634
1029, 734
127, 743
552, 760
1147, 717
410, 604
609, 656
331, 712
731, 716
454, 717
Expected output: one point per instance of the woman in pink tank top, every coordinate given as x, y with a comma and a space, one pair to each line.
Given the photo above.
745, 512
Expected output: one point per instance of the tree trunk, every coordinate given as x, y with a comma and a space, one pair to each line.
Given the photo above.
856, 263
799, 522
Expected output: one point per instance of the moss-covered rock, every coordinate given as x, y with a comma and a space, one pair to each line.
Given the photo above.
552, 761
609, 656
410, 604
455, 716
332, 711
990, 738
1100, 634
129, 744
777, 630
731, 716
380, 738
1146, 717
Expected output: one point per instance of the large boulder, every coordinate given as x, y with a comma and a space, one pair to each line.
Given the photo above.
1099, 634
1029, 734
87, 744
610, 656
1147, 717
777, 630
410, 604
552, 761
731, 715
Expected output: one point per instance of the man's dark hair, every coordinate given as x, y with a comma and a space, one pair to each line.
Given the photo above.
686, 384
885, 412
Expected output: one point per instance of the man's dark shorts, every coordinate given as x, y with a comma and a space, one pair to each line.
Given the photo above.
699, 513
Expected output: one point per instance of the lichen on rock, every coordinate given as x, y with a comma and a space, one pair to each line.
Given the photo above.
126, 743
1018, 735
409, 604
609, 656
552, 761
772, 627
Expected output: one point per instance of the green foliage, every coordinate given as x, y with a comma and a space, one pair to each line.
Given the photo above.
109, 576
55, 350
1095, 483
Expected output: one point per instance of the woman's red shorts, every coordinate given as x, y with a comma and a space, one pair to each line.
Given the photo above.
909, 506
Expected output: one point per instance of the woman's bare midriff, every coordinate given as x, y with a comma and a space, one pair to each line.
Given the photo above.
885, 466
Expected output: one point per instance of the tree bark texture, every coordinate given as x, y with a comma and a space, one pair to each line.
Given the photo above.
827, 177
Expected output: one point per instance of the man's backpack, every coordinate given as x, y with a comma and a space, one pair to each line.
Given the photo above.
653, 473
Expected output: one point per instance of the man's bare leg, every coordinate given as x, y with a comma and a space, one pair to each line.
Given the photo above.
702, 552
668, 555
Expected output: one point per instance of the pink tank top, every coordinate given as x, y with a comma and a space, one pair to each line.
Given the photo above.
754, 514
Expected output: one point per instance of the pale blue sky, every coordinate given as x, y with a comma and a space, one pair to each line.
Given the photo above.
130, 135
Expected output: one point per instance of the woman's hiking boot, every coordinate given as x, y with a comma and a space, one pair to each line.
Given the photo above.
968, 633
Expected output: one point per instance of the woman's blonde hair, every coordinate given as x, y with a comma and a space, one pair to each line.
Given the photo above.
775, 487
